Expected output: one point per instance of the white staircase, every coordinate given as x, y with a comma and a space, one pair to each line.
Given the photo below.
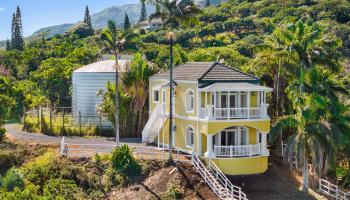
217, 181
154, 124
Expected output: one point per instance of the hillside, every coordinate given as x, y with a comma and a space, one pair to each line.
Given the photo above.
100, 19
231, 30
51, 31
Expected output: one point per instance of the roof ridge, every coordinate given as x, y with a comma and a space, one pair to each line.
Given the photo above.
174, 67
210, 68
238, 70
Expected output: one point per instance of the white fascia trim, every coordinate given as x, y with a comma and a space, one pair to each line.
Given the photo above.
179, 81
238, 90
231, 120
239, 158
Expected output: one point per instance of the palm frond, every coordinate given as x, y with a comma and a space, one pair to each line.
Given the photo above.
280, 125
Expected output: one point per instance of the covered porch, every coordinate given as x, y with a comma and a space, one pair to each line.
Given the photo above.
236, 142
225, 101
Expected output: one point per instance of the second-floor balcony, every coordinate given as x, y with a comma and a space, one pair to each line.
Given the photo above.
210, 112
227, 101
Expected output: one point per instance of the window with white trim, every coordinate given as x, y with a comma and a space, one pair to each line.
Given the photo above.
244, 136
155, 95
189, 136
189, 101
163, 96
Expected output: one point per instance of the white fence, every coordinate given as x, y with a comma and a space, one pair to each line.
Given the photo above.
332, 190
235, 151
217, 181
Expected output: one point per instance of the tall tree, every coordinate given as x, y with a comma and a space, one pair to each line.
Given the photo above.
173, 13
116, 41
135, 82
127, 24
143, 15
87, 18
8, 45
17, 31
313, 51
274, 58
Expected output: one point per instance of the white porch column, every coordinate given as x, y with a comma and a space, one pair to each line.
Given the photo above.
264, 104
209, 153
264, 150
206, 110
214, 106
248, 104
199, 141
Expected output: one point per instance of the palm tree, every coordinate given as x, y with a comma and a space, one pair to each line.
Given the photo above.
311, 49
117, 41
135, 81
274, 57
173, 13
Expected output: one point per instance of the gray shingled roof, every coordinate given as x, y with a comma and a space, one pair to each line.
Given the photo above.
205, 71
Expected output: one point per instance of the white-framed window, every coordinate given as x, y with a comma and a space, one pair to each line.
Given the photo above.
189, 136
156, 95
189, 101
163, 96
244, 136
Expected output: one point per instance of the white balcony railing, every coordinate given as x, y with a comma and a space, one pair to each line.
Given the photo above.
233, 113
239, 151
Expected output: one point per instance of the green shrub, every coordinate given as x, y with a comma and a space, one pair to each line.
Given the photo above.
7, 160
124, 162
42, 169
173, 191
29, 193
60, 188
2, 133
11, 180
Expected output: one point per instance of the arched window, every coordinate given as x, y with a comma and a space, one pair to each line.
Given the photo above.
189, 136
189, 101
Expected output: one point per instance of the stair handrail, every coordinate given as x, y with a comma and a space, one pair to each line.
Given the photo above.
150, 121
220, 190
235, 191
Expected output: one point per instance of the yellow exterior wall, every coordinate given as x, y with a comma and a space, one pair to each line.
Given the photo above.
180, 98
261, 125
252, 135
180, 133
253, 99
242, 166
152, 84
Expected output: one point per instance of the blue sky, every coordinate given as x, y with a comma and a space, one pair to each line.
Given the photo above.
38, 14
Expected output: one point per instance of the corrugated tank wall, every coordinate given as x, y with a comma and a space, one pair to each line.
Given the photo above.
84, 94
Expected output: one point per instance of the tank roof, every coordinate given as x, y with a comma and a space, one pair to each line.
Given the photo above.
103, 67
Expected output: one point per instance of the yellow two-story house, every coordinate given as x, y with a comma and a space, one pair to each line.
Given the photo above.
220, 113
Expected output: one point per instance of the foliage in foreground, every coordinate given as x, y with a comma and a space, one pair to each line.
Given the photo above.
124, 162
51, 177
173, 191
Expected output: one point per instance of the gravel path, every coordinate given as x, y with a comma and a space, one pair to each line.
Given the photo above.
15, 133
